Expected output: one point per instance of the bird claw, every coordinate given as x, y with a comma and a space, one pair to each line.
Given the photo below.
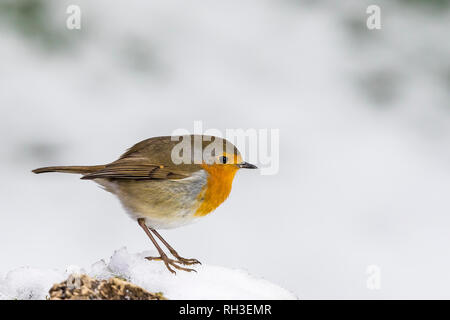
153, 258
184, 261
171, 263
188, 261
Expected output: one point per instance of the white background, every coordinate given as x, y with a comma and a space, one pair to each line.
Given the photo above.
364, 119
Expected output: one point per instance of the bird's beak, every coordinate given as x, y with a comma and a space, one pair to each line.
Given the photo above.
247, 165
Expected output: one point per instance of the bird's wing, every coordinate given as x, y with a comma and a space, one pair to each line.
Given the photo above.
136, 169
150, 148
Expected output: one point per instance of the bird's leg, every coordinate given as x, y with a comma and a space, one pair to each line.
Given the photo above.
168, 262
173, 252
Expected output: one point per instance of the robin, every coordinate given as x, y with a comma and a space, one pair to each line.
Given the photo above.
162, 192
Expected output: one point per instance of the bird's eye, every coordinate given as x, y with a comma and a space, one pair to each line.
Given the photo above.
223, 159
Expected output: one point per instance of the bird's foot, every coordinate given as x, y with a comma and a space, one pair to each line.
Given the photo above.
186, 261
171, 263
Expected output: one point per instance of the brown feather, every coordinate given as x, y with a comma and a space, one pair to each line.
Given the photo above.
146, 160
136, 170
69, 169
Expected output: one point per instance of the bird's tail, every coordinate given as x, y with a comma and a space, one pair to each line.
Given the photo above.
70, 169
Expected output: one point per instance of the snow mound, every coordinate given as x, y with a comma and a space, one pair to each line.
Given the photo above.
210, 282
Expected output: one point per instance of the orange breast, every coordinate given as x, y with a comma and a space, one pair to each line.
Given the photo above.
217, 188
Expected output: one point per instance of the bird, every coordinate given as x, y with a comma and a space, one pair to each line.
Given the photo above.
167, 182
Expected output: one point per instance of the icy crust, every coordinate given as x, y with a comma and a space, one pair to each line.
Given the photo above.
210, 282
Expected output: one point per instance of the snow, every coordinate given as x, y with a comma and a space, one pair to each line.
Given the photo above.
364, 119
26, 283
210, 282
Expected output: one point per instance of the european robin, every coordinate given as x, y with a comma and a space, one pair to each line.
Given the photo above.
159, 191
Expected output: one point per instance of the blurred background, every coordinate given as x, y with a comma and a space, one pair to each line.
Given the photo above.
364, 119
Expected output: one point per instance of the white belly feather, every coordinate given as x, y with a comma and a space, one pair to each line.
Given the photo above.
164, 204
